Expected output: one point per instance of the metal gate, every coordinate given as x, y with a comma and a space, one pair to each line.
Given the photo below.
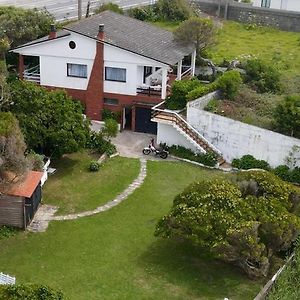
143, 121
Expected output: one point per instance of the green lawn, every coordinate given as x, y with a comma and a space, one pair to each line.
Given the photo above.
74, 189
114, 255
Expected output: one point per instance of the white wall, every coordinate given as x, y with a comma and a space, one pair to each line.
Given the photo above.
54, 56
293, 5
235, 139
168, 134
118, 58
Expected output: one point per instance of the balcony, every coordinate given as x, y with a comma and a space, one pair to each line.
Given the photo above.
149, 90
32, 74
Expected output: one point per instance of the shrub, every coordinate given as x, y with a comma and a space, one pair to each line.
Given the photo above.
200, 91
29, 291
109, 6
287, 116
283, 172
212, 105
229, 84
7, 231
94, 166
173, 10
179, 92
265, 78
208, 159
110, 128
238, 226
247, 162
108, 114
146, 13
95, 140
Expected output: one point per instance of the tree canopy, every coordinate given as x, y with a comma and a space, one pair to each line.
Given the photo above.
287, 116
20, 25
244, 222
197, 31
51, 121
12, 147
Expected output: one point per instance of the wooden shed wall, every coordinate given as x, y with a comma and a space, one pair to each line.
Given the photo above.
11, 211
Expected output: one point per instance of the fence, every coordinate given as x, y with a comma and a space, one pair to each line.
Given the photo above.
6, 279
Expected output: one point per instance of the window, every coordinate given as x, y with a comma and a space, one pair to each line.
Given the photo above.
75, 70
265, 3
115, 74
72, 45
111, 101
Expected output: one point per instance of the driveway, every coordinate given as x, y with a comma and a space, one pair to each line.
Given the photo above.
131, 144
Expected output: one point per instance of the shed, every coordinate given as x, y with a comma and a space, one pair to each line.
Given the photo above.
19, 204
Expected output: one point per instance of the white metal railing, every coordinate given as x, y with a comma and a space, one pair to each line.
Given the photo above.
32, 74
6, 279
186, 124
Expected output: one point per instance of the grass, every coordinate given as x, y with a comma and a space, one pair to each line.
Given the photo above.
114, 255
73, 188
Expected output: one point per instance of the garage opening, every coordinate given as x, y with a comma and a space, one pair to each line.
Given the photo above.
143, 121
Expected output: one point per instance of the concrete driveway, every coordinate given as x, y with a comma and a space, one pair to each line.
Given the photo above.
131, 144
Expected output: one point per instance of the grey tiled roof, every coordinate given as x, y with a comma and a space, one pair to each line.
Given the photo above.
133, 35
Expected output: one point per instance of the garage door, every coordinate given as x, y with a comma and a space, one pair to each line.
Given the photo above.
143, 121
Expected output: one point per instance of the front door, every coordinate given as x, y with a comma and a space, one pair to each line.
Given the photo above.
143, 121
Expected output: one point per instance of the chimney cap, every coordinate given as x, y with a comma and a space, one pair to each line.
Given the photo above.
52, 28
101, 27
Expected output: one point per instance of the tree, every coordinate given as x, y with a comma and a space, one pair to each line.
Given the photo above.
109, 6
23, 25
12, 148
51, 121
287, 116
244, 222
173, 10
197, 31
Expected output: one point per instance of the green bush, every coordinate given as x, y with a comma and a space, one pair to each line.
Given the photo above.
110, 128
110, 149
283, 172
7, 231
244, 223
212, 105
109, 6
29, 292
208, 159
265, 78
179, 92
247, 162
94, 166
173, 10
146, 13
200, 91
229, 83
108, 114
287, 116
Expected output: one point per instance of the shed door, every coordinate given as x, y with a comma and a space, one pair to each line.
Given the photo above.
32, 204
143, 121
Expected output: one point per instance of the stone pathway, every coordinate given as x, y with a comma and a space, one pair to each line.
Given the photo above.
45, 213
42, 217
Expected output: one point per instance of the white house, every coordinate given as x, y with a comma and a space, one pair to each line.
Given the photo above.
293, 5
109, 61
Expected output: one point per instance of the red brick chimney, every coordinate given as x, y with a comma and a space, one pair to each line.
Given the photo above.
101, 33
52, 33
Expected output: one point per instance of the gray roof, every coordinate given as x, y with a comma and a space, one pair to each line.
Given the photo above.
133, 35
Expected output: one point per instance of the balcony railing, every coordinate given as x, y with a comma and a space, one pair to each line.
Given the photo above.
149, 91
32, 74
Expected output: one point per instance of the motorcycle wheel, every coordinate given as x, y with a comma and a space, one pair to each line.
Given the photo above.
163, 155
146, 151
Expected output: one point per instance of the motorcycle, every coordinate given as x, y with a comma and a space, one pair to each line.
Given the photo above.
162, 153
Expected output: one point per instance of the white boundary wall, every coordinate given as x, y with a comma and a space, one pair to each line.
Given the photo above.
235, 139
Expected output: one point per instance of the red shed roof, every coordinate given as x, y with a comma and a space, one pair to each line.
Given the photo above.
27, 186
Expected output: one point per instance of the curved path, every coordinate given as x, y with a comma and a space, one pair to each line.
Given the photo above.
46, 213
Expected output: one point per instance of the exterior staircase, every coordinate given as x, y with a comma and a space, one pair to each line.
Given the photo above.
170, 117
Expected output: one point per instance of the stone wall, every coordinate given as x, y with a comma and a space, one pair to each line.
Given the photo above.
245, 13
